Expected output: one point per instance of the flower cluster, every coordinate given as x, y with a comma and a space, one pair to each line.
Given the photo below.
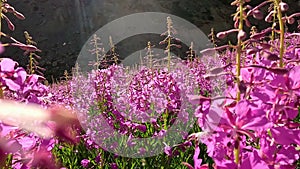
21, 86
254, 125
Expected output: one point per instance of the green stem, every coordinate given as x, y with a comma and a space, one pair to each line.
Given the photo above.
31, 71
169, 50
238, 69
150, 55
281, 27
239, 52
165, 117
1, 16
273, 27
1, 90
237, 152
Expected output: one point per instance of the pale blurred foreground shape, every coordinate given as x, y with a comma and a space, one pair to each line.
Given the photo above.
44, 122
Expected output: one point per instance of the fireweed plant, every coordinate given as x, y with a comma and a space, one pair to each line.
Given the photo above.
27, 132
259, 115
33, 64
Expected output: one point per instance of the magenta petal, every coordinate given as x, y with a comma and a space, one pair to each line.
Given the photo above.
287, 155
85, 163
27, 142
253, 161
33, 79
242, 108
11, 85
246, 74
256, 123
142, 128
294, 76
261, 95
292, 112
286, 136
227, 165
21, 74
230, 117
12, 146
168, 150
197, 161
7, 65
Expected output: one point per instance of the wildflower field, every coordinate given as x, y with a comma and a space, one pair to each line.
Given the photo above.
233, 106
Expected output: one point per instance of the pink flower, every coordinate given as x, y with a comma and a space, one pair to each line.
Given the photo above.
245, 117
85, 163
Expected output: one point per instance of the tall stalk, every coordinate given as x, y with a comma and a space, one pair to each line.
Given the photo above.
281, 27
169, 26
1, 16
1, 91
150, 57
238, 69
239, 51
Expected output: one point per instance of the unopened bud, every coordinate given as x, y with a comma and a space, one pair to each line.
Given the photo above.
270, 56
283, 6
269, 17
10, 25
290, 20
29, 48
236, 24
242, 35
257, 14
251, 51
221, 35
248, 24
9, 8
19, 15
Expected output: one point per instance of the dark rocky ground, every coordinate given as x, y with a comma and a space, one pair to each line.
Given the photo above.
62, 27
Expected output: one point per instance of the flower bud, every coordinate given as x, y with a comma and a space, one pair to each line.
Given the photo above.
221, 35
242, 35
257, 14
270, 56
236, 24
269, 17
19, 15
10, 9
10, 25
290, 20
251, 51
248, 7
265, 45
283, 6
248, 24
29, 48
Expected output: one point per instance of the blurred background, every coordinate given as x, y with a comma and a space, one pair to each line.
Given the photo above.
60, 28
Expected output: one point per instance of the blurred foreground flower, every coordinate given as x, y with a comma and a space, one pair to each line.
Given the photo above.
44, 122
